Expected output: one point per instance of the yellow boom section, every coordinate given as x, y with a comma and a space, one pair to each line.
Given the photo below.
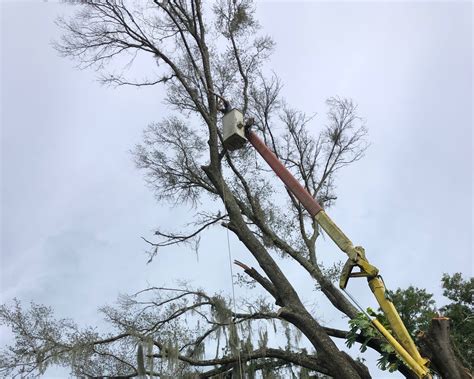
404, 344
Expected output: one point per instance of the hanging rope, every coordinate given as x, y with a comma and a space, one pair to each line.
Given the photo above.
231, 270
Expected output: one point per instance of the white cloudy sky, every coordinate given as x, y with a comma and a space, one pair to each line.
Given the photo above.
74, 207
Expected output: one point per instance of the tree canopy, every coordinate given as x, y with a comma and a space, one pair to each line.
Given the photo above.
206, 54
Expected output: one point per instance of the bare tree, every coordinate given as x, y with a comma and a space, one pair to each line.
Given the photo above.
204, 55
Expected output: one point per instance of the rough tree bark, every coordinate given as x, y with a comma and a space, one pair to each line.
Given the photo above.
437, 345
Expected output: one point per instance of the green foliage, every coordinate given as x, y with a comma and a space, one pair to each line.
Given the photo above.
415, 306
461, 312
362, 326
457, 289
388, 360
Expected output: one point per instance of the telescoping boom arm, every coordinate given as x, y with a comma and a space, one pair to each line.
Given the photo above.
402, 341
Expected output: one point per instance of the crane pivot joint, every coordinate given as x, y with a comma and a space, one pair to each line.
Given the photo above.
356, 258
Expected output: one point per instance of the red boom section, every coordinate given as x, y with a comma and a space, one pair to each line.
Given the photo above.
293, 185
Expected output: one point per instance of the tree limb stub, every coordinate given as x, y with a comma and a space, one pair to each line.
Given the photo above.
436, 343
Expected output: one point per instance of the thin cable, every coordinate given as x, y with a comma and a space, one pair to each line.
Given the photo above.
370, 319
229, 253
357, 304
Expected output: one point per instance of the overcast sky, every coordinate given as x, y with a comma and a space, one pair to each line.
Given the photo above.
74, 206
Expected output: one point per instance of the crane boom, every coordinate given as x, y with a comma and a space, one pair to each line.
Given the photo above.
402, 342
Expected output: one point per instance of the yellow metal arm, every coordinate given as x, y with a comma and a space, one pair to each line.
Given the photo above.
403, 343
420, 369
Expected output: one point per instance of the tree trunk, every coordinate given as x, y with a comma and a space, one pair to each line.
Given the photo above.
293, 311
436, 345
